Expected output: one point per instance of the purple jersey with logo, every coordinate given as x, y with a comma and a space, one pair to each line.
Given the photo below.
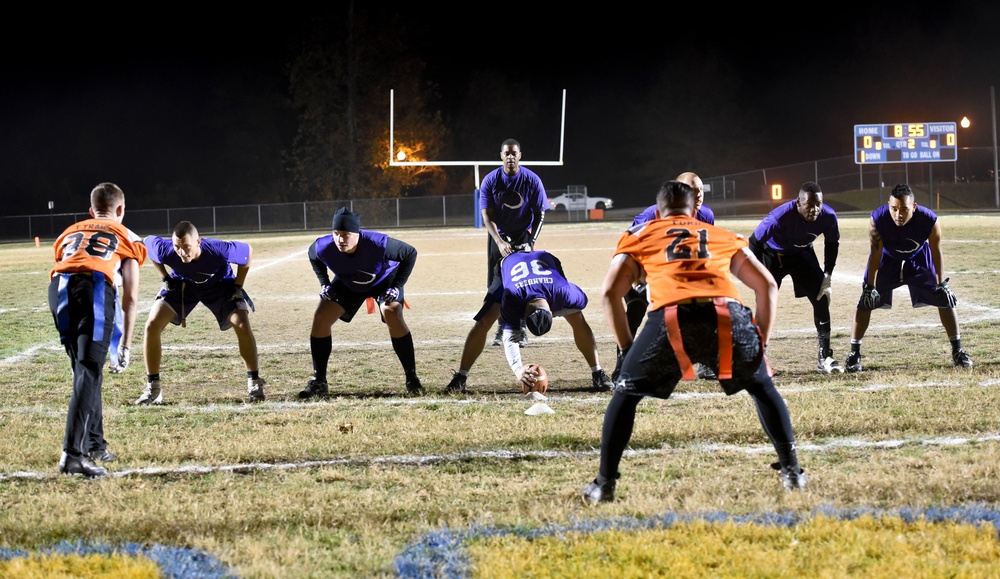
704, 214
515, 200
909, 242
211, 267
362, 270
535, 275
785, 230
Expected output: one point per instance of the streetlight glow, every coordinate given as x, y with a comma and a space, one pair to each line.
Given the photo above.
965, 122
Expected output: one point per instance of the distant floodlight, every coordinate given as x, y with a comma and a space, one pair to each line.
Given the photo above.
401, 155
965, 122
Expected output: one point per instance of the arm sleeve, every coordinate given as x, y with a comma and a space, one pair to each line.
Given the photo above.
831, 248
405, 254
538, 228
512, 350
319, 268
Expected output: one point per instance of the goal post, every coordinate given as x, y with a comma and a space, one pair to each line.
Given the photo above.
474, 164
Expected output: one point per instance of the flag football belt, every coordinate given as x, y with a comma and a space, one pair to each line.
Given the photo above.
725, 332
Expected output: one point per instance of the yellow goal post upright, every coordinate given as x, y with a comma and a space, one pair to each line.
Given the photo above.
475, 164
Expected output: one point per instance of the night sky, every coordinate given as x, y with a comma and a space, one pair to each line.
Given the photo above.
125, 99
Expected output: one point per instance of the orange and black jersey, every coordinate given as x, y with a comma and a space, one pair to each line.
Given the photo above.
683, 258
96, 245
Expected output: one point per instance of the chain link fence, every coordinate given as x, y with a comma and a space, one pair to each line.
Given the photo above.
966, 184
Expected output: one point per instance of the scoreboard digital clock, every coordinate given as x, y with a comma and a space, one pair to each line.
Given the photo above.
905, 143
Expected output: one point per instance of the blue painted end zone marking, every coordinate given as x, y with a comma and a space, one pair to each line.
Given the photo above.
442, 553
174, 562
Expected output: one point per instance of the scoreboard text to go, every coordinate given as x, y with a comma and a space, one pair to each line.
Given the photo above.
905, 143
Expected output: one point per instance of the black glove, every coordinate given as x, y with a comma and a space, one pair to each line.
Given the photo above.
327, 294
237, 294
944, 294
388, 296
171, 283
618, 364
869, 296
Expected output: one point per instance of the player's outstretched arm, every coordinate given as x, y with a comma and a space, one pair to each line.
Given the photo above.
937, 258
754, 275
624, 271
129, 299
874, 253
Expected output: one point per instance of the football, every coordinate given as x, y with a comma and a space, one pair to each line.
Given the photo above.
541, 379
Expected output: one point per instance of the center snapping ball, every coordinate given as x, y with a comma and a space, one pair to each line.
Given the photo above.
541, 379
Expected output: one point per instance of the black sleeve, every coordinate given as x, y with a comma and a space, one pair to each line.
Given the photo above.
831, 248
756, 247
405, 254
319, 268
538, 228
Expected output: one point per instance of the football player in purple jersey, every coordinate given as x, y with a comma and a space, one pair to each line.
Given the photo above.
365, 264
547, 293
512, 201
783, 242
535, 290
905, 250
636, 302
200, 272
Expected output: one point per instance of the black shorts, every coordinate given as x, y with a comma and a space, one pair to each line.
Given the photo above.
351, 300
807, 275
651, 367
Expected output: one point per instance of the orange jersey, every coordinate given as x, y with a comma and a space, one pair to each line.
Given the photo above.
96, 245
683, 258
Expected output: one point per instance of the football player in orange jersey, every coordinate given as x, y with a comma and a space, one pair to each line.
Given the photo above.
86, 309
696, 317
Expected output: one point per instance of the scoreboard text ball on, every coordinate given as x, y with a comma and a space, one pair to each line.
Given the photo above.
905, 143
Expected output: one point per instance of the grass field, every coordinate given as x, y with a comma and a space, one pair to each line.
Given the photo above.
369, 483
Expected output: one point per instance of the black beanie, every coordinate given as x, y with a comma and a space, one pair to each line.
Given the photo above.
346, 220
539, 321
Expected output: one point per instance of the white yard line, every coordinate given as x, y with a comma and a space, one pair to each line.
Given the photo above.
423, 460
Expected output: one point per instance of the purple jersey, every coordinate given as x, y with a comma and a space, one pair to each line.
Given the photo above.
704, 214
515, 200
211, 267
785, 230
362, 270
535, 275
909, 242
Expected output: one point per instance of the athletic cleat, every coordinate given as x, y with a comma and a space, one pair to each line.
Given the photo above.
829, 365
794, 478
961, 359
457, 384
103, 455
255, 389
705, 373
152, 394
83, 466
413, 386
853, 362
601, 381
595, 492
498, 338
315, 388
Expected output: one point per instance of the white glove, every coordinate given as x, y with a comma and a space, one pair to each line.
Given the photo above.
824, 288
388, 296
124, 357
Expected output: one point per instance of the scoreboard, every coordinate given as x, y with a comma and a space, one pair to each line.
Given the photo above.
905, 143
